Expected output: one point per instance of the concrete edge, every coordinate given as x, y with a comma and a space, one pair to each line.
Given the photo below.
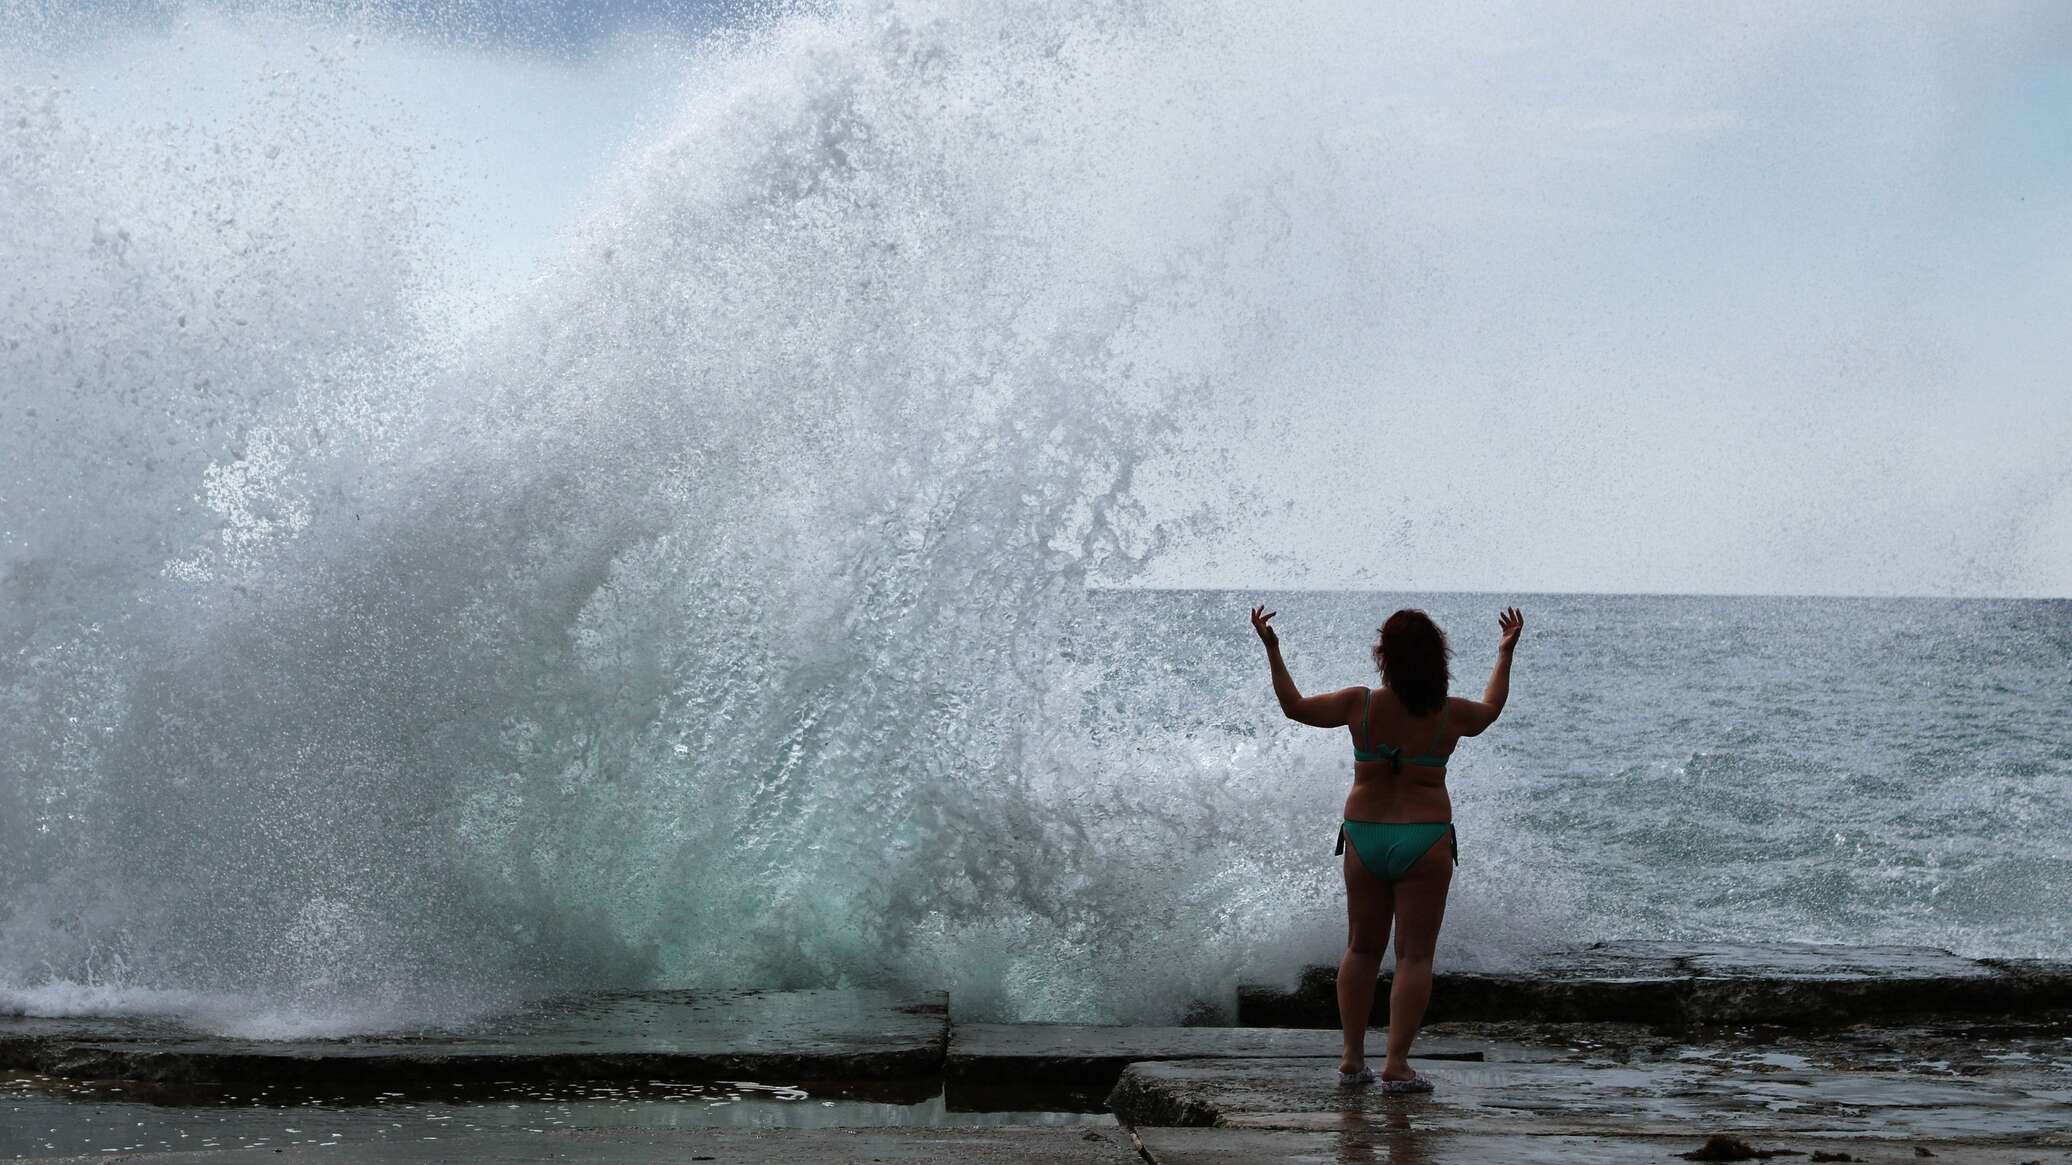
419, 1070
1677, 993
1092, 1056
1177, 1145
518, 1052
1137, 1102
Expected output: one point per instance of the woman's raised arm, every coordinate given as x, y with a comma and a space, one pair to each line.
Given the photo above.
1333, 710
1483, 713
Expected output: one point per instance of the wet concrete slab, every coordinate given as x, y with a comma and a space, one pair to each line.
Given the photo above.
1681, 984
1403, 1143
43, 1118
1019, 1145
1965, 1090
2039, 984
1667, 1097
1095, 1055
651, 1035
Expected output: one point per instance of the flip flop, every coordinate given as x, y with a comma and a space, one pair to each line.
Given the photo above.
1418, 1082
1348, 1079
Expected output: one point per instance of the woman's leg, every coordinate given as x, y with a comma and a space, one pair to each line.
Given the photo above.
1420, 900
1369, 902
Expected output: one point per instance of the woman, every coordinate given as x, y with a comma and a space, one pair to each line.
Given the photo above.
1395, 817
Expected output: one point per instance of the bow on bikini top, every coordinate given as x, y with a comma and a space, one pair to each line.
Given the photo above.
1393, 754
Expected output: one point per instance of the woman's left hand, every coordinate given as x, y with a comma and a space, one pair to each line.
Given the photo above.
1267, 634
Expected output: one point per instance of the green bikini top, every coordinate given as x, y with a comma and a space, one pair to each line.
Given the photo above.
1394, 755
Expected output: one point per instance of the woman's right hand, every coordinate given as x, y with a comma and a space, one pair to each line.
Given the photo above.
1510, 623
1267, 635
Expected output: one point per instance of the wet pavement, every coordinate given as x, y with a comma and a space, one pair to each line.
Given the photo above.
1965, 1092
41, 1119
1650, 1099
822, 1035
1837, 1063
1008, 1145
1623, 1092
1403, 1143
1087, 1055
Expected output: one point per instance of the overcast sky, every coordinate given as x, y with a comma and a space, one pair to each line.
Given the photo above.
1711, 298
1704, 298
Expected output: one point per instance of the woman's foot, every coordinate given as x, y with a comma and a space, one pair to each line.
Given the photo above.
1361, 1075
1403, 1086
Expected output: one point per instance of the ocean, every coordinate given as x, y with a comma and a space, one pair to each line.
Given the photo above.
738, 594
1850, 770
1146, 833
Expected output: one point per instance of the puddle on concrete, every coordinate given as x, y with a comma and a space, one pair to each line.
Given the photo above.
42, 1117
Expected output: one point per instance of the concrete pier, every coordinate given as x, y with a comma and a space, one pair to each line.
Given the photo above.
1613, 1052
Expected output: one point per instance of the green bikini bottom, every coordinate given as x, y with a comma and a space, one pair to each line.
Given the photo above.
1389, 848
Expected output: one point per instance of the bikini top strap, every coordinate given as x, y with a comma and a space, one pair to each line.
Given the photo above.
1363, 714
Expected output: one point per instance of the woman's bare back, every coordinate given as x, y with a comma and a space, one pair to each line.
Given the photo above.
1380, 791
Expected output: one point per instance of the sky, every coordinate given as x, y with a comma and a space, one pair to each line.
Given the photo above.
1713, 299
1724, 299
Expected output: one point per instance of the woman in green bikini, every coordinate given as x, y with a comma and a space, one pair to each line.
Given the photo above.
1396, 872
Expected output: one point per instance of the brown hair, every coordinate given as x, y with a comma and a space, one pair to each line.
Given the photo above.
1412, 654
